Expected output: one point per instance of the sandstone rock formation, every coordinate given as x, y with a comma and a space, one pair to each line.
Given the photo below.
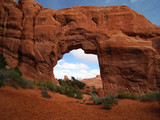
96, 81
126, 43
66, 78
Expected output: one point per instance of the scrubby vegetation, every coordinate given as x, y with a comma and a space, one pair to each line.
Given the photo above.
71, 88
110, 100
107, 101
45, 93
3, 62
73, 82
151, 96
123, 95
13, 76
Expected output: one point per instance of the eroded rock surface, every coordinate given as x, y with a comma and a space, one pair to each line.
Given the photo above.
126, 43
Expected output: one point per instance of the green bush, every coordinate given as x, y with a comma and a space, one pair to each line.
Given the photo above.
65, 89
15, 78
50, 86
40, 83
77, 83
107, 101
3, 62
88, 90
123, 95
17, 70
110, 100
45, 94
98, 100
95, 92
71, 88
73, 82
74, 92
150, 96
4, 77
8, 75
106, 105
47, 85
24, 83
158, 96
61, 90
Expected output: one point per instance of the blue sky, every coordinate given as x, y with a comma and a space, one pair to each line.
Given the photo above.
76, 63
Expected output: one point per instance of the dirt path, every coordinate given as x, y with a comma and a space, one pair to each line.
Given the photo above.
30, 105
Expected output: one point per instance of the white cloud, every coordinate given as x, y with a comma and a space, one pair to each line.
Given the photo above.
79, 74
78, 70
79, 54
72, 66
132, 1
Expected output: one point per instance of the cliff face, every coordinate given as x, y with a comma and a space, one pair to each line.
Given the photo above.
126, 43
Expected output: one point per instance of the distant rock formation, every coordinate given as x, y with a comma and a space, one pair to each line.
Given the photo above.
66, 78
96, 81
126, 43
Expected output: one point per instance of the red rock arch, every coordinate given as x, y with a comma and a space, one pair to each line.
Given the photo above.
126, 43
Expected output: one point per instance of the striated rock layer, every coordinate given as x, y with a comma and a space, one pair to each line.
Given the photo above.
126, 43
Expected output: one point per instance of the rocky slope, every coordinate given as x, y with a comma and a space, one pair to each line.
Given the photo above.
126, 43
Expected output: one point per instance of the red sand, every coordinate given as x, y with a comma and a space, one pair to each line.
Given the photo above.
30, 105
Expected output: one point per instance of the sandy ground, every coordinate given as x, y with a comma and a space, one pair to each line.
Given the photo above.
30, 105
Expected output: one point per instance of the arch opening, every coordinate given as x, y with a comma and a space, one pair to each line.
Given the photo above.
77, 64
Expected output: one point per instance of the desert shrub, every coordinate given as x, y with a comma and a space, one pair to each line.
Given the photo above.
24, 83
73, 82
70, 88
13, 84
15, 78
60, 89
96, 99
158, 96
109, 101
46, 84
3, 62
150, 96
4, 77
17, 70
77, 83
7, 75
88, 87
88, 90
74, 92
45, 93
50, 86
79, 94
61, 81
123, 95
40, 83
95, 92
